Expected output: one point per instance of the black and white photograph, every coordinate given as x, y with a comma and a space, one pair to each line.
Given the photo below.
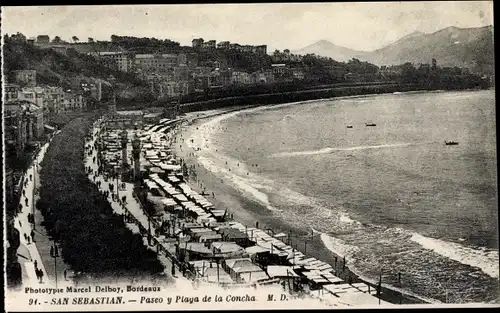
328, 155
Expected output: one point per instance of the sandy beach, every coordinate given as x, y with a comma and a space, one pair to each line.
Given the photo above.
253, 208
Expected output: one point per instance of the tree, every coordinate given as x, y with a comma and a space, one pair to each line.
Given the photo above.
408, 73
434, 64
56, 39
75, 39
91, 40
18, 37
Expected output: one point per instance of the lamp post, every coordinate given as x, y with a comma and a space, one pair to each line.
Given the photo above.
117, 184
54, 251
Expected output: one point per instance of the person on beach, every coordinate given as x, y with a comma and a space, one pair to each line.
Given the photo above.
31, 177
32, 235
36, 264
28, 238
26, 201
41, 275
65, 273
24, 192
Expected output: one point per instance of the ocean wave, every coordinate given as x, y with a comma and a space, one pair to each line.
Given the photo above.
342, 249
246, 186
331, 150
486, 260
338, 246
261, 189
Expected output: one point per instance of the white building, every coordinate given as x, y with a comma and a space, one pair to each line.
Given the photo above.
73, 103
34, 95
121, 61
241, 78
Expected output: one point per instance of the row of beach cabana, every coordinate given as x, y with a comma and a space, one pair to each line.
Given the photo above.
226, 252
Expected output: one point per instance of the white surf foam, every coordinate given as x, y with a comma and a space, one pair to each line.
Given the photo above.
239, 175
331, 150
246, 186
486, 260
340, 248
233, 171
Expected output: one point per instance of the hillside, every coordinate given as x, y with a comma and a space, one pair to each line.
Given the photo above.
328, 49
452, 46
56, 69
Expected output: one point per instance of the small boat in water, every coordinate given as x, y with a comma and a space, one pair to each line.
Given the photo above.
349, 126
370, 124
450, 143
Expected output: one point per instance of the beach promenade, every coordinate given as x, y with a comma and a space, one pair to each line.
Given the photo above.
28, 252
312, 270
131, 206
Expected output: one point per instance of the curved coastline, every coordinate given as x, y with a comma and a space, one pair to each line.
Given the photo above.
226, 113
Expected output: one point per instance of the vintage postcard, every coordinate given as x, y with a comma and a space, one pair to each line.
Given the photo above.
249, 156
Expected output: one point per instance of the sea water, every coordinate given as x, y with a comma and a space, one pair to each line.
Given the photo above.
392, 197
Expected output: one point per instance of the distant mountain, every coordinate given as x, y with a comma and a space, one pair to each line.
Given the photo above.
411, 35
452, 46
328, 49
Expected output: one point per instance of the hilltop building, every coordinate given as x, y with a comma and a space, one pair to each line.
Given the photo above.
121, 61
155, 62
25, 77
261, 49
43, 39
11, 92
223, 45
209, 44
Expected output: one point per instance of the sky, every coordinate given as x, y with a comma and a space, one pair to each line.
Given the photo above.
364, 26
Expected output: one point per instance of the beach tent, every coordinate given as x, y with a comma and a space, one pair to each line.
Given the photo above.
180, 198
157, 203
280, 271
173, 179
150, 184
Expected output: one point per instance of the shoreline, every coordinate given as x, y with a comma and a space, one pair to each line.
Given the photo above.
267, 106
258, 210
248, 211
311, 95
